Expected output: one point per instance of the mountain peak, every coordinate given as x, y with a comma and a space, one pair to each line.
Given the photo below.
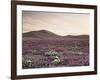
40, 34
43, 30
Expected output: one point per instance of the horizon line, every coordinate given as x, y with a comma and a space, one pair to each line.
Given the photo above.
72, 34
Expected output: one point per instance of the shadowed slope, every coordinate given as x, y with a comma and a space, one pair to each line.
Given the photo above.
40, 34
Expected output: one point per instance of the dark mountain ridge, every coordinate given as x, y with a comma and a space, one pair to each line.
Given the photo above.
77, 36
48, 34
40, 34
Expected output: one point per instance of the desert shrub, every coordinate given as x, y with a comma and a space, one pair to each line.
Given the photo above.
34, 51
56, 62
27, 63
51, 53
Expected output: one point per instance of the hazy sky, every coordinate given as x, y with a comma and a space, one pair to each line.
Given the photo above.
59, 23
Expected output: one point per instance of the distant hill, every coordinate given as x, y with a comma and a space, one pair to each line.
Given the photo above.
41, 34
48, 34
78, 36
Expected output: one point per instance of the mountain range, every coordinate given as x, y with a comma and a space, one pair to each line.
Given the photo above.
48, 34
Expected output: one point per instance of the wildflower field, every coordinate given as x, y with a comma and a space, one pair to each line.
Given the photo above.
54, 52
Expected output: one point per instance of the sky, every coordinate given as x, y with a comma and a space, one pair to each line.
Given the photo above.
58, 23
